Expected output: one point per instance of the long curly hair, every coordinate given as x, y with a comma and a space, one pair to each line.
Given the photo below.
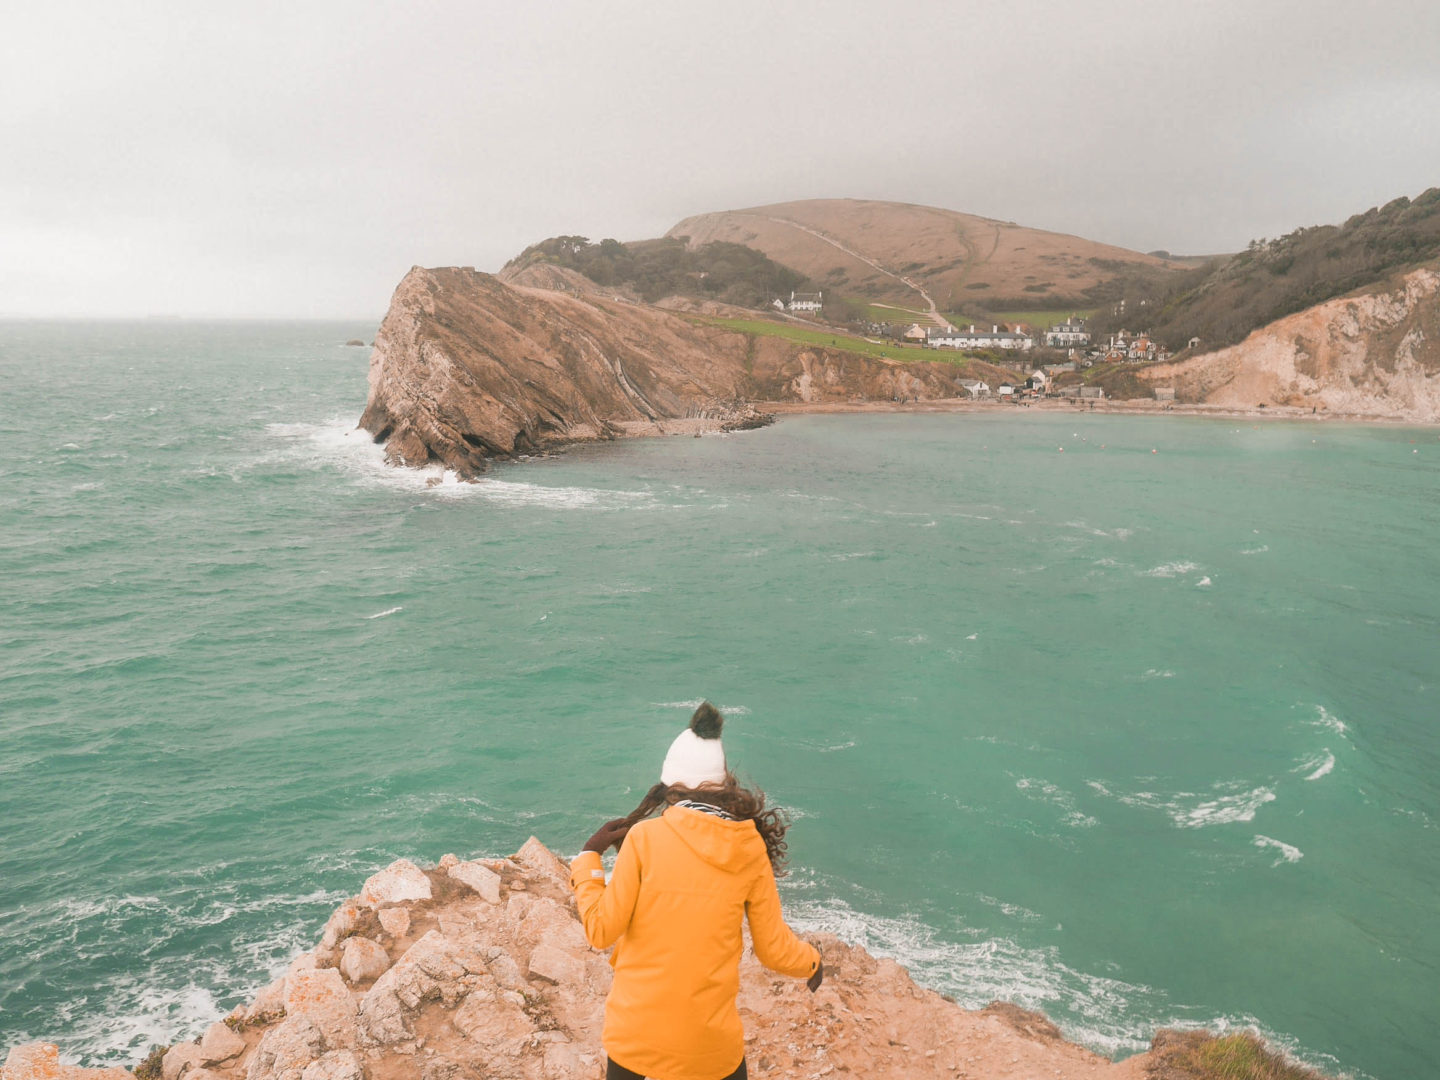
740, 802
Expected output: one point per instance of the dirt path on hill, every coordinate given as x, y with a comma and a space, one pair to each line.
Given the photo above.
933, 311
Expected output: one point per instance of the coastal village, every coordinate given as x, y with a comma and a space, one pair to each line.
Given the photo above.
1069, 345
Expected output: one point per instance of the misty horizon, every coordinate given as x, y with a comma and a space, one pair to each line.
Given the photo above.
296, 161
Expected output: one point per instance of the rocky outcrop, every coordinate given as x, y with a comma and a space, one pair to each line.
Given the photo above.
467, 368
1375, 355
466, 986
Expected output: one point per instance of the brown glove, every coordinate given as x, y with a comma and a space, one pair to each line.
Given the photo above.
815, 980
611, 834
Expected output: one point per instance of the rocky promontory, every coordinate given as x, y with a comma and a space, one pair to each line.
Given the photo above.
479, 969
468, 368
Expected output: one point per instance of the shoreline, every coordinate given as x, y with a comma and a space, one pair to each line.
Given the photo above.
1131, 407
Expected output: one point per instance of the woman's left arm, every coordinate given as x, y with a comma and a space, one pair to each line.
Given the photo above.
605, 910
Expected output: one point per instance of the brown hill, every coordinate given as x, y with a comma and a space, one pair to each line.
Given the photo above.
896, 252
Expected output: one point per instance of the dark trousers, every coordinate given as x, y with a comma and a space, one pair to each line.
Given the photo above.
619, 1072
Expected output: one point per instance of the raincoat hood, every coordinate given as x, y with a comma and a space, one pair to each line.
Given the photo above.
732, 846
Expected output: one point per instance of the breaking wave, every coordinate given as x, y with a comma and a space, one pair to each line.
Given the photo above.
1171, 569
340, 446
1194, 810
1317, 765
1288, 852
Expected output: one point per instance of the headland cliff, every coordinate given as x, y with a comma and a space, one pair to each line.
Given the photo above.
467, 368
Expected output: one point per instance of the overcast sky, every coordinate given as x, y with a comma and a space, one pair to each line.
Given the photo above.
296, 158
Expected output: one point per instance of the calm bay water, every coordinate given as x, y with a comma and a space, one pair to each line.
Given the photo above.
1133, 737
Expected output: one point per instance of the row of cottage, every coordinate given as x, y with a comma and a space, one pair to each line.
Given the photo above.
1070, 335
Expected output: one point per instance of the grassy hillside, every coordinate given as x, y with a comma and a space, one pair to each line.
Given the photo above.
653, 269
964, 262
1223, 302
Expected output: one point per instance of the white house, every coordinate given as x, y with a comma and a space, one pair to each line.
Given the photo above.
978, 339
1064, 335
1039, 380
977, 389
805, 301
1006, 390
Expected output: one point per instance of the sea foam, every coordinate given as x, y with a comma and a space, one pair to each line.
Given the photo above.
1288, 852
338, 445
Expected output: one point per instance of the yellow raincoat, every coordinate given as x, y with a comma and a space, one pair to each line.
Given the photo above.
682, 883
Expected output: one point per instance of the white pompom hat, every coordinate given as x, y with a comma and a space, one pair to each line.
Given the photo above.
696, 756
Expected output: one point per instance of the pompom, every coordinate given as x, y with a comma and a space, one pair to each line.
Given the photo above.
707, 721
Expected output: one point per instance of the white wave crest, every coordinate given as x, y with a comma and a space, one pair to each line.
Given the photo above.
1171, 569
1256, 550
1317, 765
1329, 721
1193, 810
1203, 583
1046, 792
1288, 852
387, 611
340, 446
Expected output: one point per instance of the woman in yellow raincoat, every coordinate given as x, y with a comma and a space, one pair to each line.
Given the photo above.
682, 885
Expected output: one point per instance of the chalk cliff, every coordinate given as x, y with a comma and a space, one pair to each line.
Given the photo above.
468, 368
1373, 355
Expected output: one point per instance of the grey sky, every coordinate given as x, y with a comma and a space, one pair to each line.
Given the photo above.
295, 158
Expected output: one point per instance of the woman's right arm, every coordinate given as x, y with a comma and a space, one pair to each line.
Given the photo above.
776, 945
605, 910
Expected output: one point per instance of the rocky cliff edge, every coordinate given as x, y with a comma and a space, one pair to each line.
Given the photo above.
480, 969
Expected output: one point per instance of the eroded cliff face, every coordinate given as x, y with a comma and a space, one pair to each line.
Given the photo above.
1376, 355
467, 368
481, 969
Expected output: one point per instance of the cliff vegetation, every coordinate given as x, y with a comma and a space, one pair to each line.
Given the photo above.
1225, 300
653, 269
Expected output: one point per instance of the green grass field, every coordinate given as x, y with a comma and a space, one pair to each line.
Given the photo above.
905, 353
1043, 320
885, 313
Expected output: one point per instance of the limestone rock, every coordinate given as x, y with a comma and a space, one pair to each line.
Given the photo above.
336, 1065
402, 880
179, 1059
363, 960
448, 860
341, 924
220, 1044
395, 921
285, 1050
435, 967
41, 1061
322, 997
538, 859
480, 878
493, 1019
556, 966
269, 1001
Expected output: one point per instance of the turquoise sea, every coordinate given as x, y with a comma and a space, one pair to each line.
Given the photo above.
1129, 720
